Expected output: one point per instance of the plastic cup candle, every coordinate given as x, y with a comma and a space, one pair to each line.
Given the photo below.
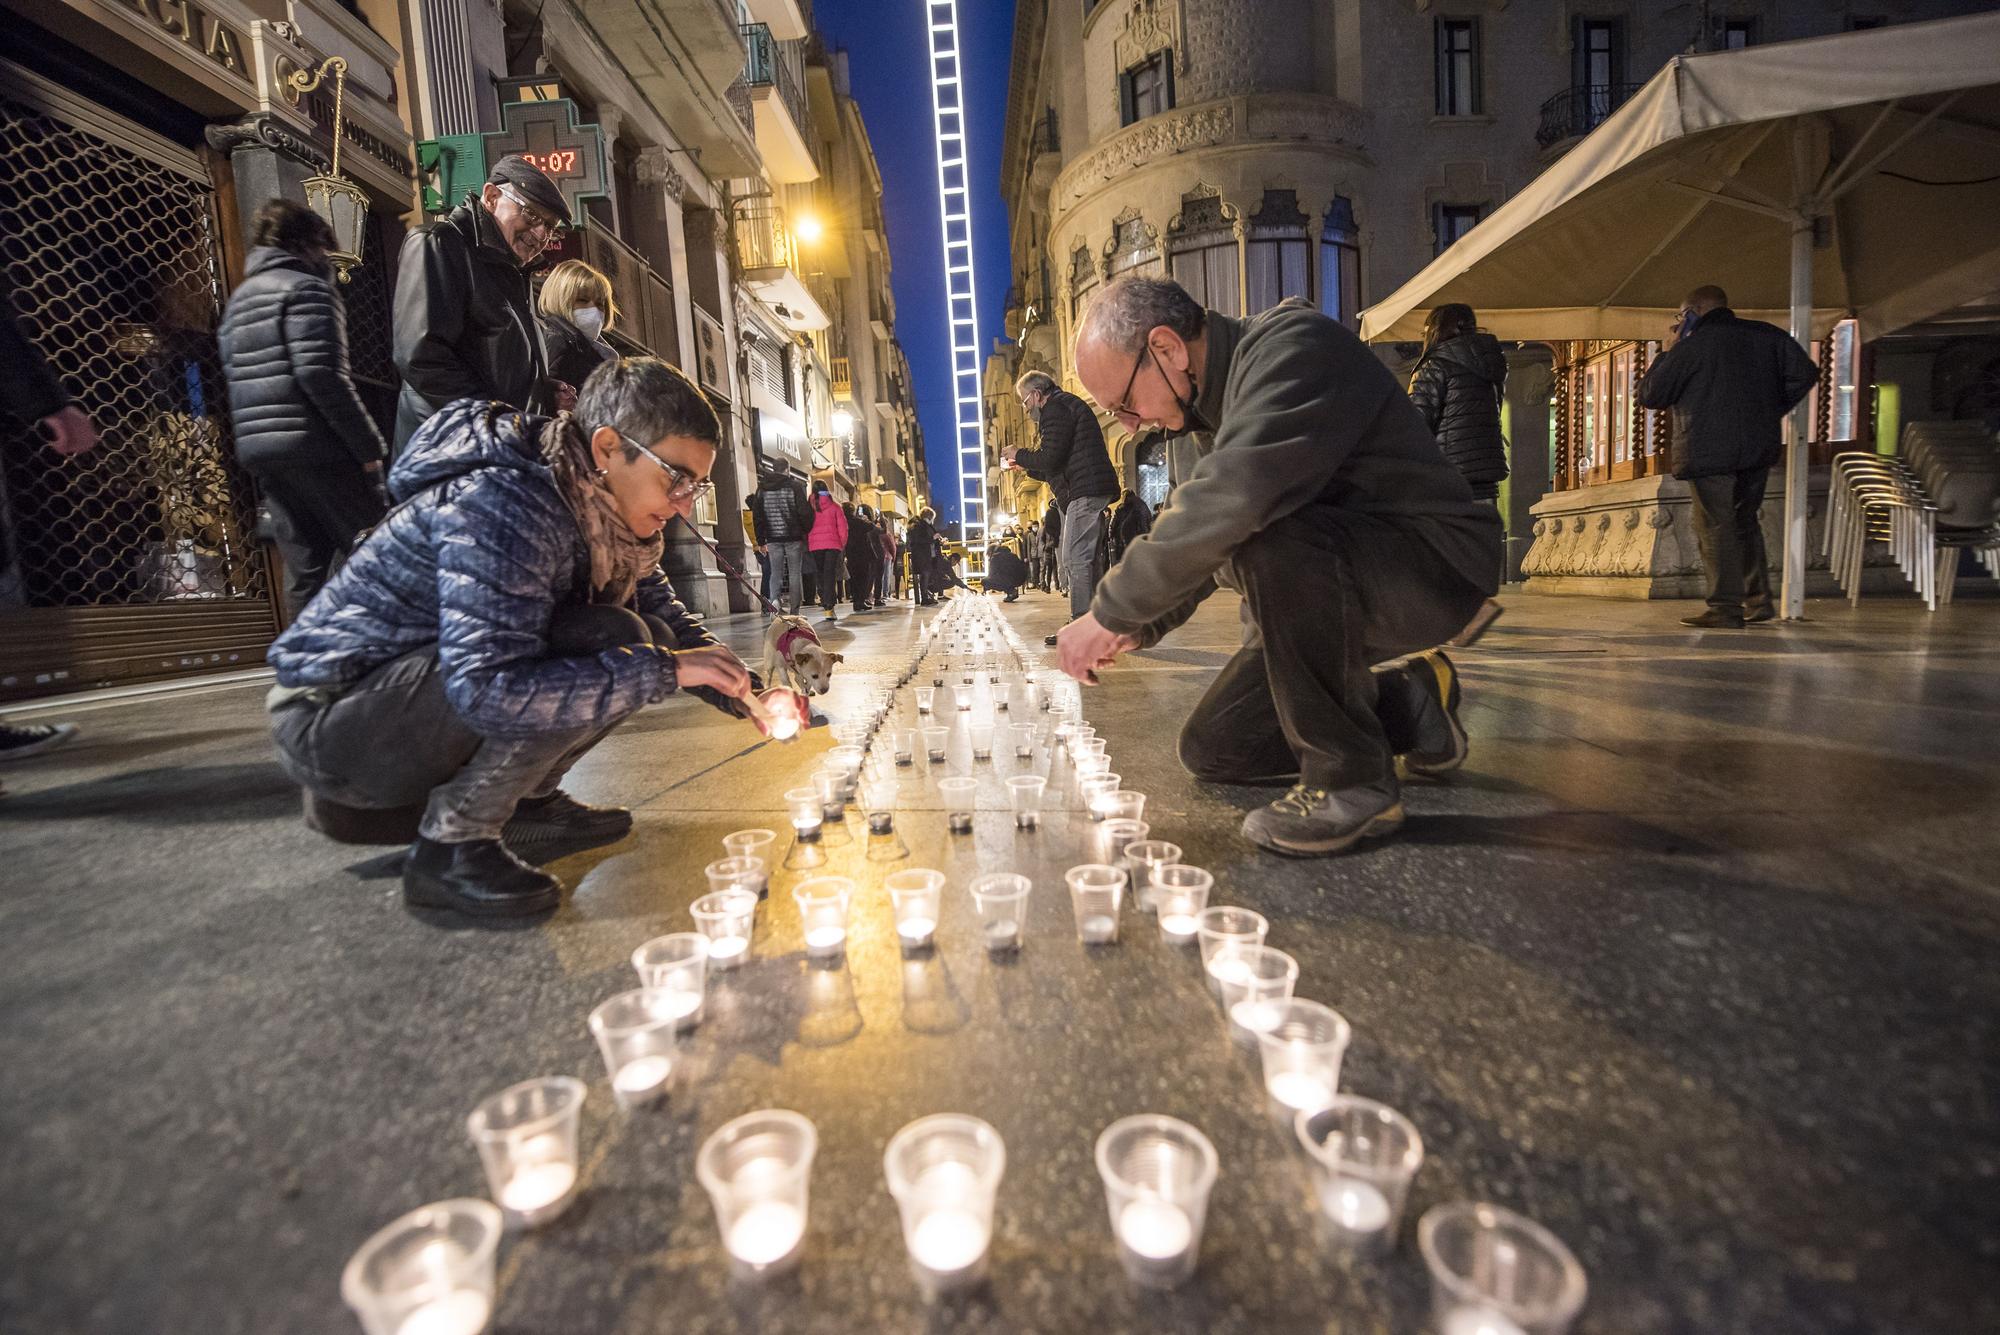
753, 844
1221, 925
1141, 858
917, 896
1088, 768
934, 744
428, 1273
823, 902
1494, 1272
903, 743
636, 1033
944, 1172
1003, 692
1180, 893
808, 812
1254, 982
878, 800
925, 695
526, 1136
1157, 1174
676, 966
832, 786
728, 921
757, 1171
1364, 1156
737, 873
1025, 791
1119, 804
981, 735
1024, 740
846, 761
1094, 788
1001, 900
962, 695
958, 795
1095, 890
1113, 837
1302, 1047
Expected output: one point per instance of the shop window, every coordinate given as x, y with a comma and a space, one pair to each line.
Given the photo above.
1147, 89
1458, 67
1201, 251
1151, 466
1340, 263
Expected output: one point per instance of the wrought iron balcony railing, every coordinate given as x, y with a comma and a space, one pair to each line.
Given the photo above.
767, 67
1580, 109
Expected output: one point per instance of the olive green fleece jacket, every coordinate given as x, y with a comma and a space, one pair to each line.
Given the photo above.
1304, 418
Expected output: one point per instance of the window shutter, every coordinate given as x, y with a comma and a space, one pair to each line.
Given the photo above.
1126, 113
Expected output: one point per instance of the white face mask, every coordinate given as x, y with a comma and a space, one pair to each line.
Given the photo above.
589, 319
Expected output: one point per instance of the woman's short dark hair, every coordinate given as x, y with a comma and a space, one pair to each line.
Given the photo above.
290, 227
644, 400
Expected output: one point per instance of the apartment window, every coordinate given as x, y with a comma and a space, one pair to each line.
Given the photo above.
1598, 68
1458, 67
1082, 282
1453, 221
1738, 33
1147, 89
1135, 248
1275, 251
1201, 251
1340, 263
771, 367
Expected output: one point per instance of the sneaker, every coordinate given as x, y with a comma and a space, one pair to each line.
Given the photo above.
1312, 822
1441, 741
18, 741
479, 878
1714, 620
830, 618
1764, 613
560, 818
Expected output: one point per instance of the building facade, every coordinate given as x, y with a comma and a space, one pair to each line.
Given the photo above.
1330, 149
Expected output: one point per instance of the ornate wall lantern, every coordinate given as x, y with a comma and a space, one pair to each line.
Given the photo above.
332, 196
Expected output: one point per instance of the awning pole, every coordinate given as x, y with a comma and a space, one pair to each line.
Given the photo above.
1798, 428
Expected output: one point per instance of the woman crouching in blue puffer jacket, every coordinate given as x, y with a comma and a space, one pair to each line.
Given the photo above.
504, 617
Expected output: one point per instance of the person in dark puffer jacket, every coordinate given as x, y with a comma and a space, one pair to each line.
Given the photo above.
301, 428
778, 509
1073, 461
1457, 386
498, 624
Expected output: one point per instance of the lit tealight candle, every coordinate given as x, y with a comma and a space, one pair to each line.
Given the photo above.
916, 931
642, 1078
1098, 929
1301, 1089
536, 1186
1227, 968
1003, 934
727, 950
1358, 1207
1255, 1016
1178, 927
676, 1004
1478, 1321
462, 1312
948, 1240
766, 1233
826, 940
783, 728
1155, 1230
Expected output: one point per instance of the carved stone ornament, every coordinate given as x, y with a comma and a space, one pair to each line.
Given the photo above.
1154, 137
656, 167
1150, 26
262, 130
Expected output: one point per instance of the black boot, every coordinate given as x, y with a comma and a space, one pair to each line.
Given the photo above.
479, 878
561, 819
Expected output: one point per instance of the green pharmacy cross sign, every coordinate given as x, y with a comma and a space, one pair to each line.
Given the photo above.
545, 133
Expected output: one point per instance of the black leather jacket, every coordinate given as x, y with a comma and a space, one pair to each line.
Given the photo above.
464, 324
1730, 384
1457, 386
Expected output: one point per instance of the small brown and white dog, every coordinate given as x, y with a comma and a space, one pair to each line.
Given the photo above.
795, 659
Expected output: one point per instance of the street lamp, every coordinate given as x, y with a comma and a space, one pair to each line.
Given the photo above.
809, 228
333, 197
843, 422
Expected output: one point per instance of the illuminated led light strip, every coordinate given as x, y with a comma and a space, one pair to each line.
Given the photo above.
961, 304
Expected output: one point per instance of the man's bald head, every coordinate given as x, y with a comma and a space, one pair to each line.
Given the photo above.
1704, 299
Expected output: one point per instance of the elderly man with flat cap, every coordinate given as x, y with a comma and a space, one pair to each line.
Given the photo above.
465, 326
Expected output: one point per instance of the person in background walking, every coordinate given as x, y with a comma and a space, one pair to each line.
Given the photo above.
1052, 572
1073, 461
864, 558
783, 519
575, 308
921, 543
891, 547
35, 398
464, 325
1131, 519
301, 428
1457, 385
827, 542
1730, 383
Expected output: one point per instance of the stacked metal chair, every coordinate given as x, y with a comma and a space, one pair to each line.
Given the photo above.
1940, 497
1959, 466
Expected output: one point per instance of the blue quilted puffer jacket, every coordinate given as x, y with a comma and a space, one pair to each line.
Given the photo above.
475, 558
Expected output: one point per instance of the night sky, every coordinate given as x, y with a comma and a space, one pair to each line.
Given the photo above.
890, 72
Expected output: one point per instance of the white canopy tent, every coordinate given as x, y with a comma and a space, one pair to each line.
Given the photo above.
1857, 174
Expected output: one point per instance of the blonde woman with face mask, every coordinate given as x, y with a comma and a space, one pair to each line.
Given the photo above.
574, 310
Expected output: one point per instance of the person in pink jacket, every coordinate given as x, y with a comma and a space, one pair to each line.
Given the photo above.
828, 544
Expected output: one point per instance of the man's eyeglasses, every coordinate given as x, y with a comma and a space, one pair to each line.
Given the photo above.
1123, 408
681, 484
538, 221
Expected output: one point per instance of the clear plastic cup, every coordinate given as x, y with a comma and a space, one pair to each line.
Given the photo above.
1302, 1048
944, 1172
1025, 791
1023, 735
676, 965
1180, 893
1032, 699
823, 903
846, 759
1255, 981
1364, 1156
429, 1271
934, 744
1112, 837
738, 873
807, 811
903, 743
638, 1033
1086, 744
1223, 925
1003, 694
1120, 804
917, 897
925, 696
1093, 770
729, 922
959, 803
1157, 1174
1095, 889
526, 1136
1141, 858
962, 695
832, 786
753, 844
757, 1171
1494, 1272
1001, 900
981, 736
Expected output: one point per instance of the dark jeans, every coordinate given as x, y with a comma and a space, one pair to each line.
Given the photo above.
1731, 536
1325, 599
826, 576
315, 515
393, 740
863, 579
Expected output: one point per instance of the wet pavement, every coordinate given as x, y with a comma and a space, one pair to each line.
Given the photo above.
1697, 963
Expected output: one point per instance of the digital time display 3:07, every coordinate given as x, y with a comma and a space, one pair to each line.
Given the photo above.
557, 162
